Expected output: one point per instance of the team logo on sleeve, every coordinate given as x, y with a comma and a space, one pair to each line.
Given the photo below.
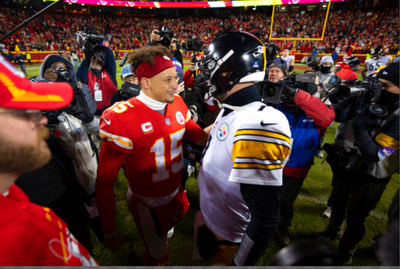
223, 131
180, 118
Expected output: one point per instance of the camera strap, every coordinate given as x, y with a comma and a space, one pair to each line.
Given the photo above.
383, 122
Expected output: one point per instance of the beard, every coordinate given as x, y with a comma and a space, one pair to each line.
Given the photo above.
21, 159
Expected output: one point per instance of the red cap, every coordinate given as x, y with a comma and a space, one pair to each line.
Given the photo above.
18, 92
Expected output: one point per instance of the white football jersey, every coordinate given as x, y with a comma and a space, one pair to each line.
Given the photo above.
373, 65
287, 60
249, 146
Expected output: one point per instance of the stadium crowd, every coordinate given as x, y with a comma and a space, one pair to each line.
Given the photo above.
346, 28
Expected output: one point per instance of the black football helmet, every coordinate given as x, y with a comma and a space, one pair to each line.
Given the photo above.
354, 63
231, 58
376, 53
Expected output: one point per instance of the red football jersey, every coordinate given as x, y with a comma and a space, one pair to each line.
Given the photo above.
152, 142
32, 235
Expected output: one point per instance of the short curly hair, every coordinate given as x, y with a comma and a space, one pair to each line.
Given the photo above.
147, 55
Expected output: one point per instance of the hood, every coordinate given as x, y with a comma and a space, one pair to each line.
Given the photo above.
52, 58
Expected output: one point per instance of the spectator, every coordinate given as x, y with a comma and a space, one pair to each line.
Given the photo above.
241, 173
25, 224
308, 117
154, 183
21, 62
373, 146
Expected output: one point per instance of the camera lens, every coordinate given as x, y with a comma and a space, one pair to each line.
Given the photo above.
270, 91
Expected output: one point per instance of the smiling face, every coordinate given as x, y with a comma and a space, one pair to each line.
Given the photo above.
162, 86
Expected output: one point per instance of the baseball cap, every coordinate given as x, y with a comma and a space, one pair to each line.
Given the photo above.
18, 92
390, 73
126, 71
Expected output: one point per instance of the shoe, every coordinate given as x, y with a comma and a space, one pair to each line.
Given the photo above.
283, 237
319, 154
327, 212
329, 235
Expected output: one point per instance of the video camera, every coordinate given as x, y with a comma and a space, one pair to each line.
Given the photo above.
193, 44
370, 89
274, 93
91, 42
129, 90
166, 35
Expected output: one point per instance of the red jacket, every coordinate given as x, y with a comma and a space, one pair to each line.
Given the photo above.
32, 235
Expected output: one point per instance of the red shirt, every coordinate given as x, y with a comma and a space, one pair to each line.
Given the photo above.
150, 147
32, 235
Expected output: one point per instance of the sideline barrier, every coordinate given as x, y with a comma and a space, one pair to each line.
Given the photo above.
38, 56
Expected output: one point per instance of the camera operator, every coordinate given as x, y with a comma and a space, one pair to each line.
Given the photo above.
165, 37
363, 157
308, 117
98, 71
130, 87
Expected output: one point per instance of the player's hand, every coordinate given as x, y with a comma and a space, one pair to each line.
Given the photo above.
155, 36
114, 242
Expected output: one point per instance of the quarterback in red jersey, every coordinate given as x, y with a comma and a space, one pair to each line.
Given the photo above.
31, 235
145, 135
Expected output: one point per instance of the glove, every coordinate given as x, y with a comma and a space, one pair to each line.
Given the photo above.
363, 119
288, 92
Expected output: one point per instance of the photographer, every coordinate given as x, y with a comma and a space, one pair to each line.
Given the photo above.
97, 69
129, 88
165, 37
74, 123
363, 157
308, 117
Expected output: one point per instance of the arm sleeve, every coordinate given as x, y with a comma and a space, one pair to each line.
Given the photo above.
89, 98
110, 161
193, 131
386, 141
322, 114
188, 78
83, 69
263, 203
110, 64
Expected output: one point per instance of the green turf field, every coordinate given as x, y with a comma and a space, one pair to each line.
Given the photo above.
307, 220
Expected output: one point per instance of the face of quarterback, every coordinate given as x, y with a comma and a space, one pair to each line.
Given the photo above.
22, 138
162, 86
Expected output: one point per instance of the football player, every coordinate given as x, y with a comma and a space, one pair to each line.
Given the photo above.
241, 172
377, 59
145, 134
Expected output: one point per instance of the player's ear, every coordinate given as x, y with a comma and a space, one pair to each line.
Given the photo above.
145, 83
